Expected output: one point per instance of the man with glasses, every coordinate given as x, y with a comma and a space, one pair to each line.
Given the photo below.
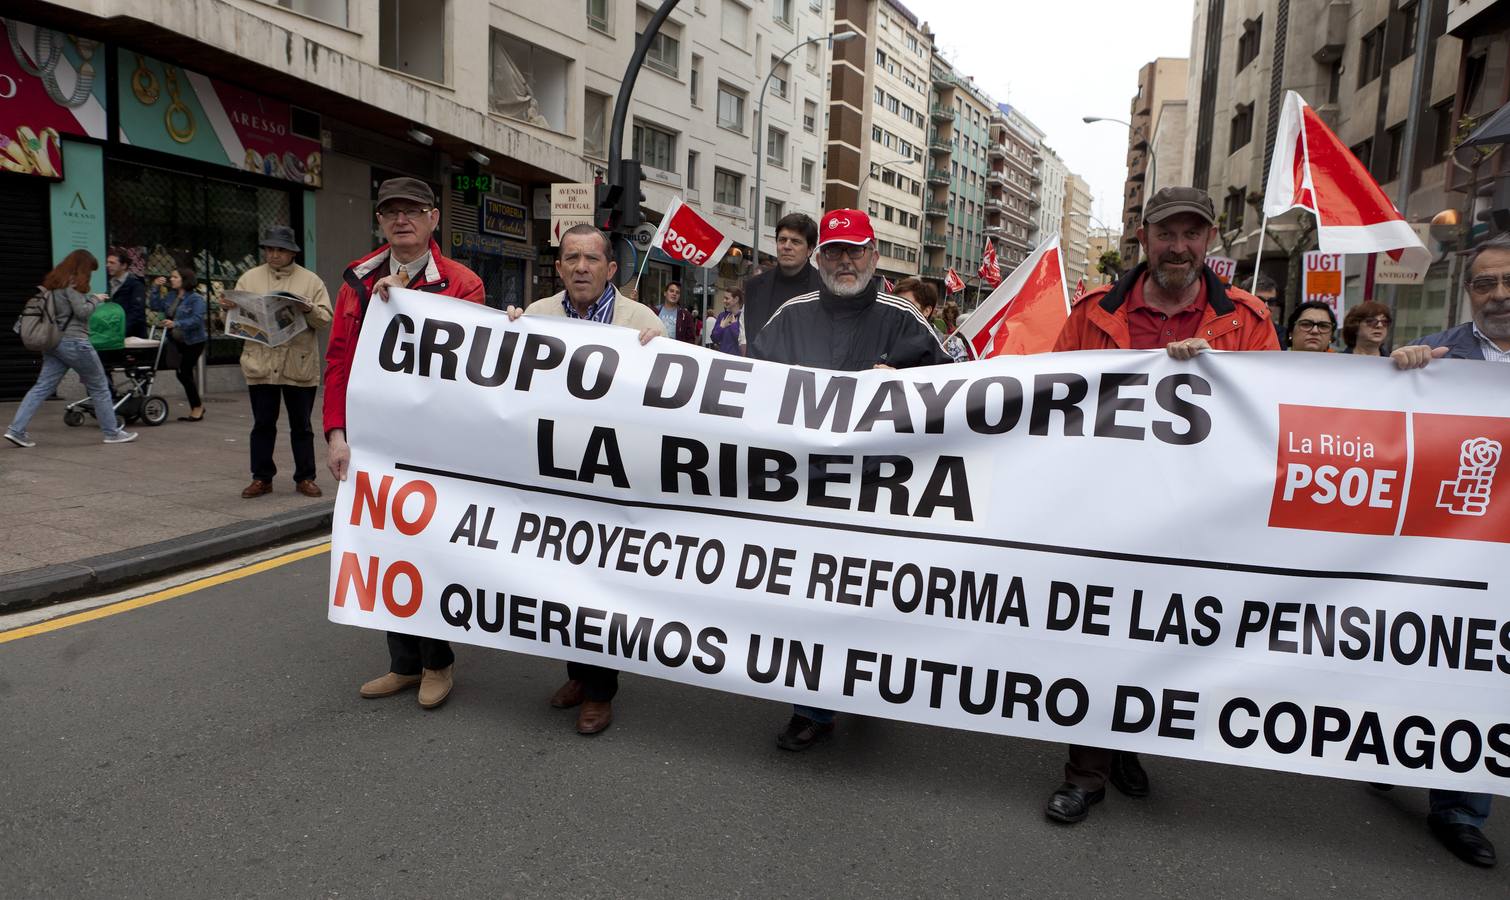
1457, 817
411, 258
845, 324
792, 276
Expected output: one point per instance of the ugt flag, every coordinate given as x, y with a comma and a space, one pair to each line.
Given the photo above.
990, 270
1313, 170
1024, 314
953, 283
688, 237
1079, 291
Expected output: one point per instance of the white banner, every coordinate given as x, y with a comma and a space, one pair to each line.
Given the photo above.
1293, 561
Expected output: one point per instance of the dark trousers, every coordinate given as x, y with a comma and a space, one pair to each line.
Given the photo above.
598, 684
1089, 767
300, 401
408, 654
188, 360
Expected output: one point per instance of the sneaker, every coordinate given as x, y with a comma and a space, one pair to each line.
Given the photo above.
20, 440
121, 437
802, 733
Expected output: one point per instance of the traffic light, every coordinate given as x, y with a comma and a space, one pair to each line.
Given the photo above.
630, 197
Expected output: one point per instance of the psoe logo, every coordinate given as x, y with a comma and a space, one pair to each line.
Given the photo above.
1468, 494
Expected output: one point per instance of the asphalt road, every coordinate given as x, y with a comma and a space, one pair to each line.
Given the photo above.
213, 745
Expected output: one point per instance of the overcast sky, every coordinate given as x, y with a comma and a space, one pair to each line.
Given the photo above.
1061, 60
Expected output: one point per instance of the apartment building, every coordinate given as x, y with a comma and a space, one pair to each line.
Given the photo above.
1016, 156
1161, 82
1053, 185
958, 145
1168, 146
1074, 234
1353, 62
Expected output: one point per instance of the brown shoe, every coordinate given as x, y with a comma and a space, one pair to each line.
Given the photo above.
388, 685
594, 717
568, 695
435, 687
308, 488
256, 489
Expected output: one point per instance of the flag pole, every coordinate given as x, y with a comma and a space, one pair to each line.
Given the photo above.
1259, 257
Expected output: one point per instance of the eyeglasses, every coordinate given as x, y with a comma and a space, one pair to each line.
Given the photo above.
1309, 325
409, 212
1376, 321
836, 252
1485, 284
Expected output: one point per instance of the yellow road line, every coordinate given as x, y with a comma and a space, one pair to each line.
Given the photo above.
158, 597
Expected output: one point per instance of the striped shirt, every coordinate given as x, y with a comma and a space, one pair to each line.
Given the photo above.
1492, 351
600, 311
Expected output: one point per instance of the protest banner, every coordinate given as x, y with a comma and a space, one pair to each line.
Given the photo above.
1233, 558
1225, 267
1322, 277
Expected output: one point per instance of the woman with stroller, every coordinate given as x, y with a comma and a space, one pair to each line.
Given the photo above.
67, 289
184, 311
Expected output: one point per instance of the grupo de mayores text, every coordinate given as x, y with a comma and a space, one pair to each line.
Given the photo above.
1111, 405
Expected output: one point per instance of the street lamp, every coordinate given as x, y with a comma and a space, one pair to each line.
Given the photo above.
1153, 156
760, 128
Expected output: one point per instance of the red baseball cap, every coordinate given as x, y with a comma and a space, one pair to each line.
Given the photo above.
845, 226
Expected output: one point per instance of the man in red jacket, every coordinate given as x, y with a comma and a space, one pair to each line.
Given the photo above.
407, 214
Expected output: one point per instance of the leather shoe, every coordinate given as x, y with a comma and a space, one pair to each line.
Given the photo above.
568, 695
802, 733
435, 687
1071, 804
257, 488
388, 685
594, 716
1465, 841
308, 488
1127, 775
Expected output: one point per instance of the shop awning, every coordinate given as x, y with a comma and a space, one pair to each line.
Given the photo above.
1495, 130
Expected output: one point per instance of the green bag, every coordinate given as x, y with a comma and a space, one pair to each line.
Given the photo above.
107, 327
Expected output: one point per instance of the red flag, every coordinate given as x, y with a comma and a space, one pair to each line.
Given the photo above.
687, 237
1079, 291
1025, 314
989, 269
953, 283
1317, 172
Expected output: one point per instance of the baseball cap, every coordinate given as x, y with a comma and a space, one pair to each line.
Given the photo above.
845, 226
1172, 201
405, 189
279, 236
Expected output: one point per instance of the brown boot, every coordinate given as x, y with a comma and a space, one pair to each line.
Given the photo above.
568, 695
435, 687
595, 716
308, 488
388, 685
256, 489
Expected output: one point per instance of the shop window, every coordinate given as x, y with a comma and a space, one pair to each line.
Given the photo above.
333, 11
527, 82
412, 38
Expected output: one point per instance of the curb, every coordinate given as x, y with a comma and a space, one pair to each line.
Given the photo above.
65, 581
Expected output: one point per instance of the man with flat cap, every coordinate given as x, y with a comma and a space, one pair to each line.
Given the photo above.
286, 375
407, 215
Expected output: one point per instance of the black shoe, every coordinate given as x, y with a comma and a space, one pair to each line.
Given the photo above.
1071, 804
1465, 841
802, 733
1381, 786
1127, 775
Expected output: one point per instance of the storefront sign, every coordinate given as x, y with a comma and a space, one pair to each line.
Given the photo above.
571, 205
77, 207
1387, 271
503, 218
47, 89
166, 108
463, 243
1323, 279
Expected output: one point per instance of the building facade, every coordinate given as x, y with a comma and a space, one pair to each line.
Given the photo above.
1160, 82
1016, 157
959, 146
1053, 185
1075, 228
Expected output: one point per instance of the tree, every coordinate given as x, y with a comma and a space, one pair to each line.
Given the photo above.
1110, 264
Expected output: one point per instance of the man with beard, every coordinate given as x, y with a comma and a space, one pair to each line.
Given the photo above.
1172, 302
1457, 817
793, 275
846, 324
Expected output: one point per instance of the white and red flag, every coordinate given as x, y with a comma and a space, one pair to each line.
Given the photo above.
990, 270
687, 237
1315, 171
953, 283
1026, 312
1079, 291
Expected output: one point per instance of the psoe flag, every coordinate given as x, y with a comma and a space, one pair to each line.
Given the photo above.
1025, 313
1315, 171
687, 237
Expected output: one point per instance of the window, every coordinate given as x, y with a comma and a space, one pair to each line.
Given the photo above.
809, 117
813, 58
695, 81
1410, 16
1232, 209
775, 147
809, 169
412, 39
781, 75
880, 97
731, 107
736, 23
773, 211
527, 82
1242, 127
654, 147
1248, 44
1394, 148
1363, 151
1443, 136
692, 170
912, 43
781, 11
875, 133
330, 10
727, 187
664, 53
1371, 56
595, 125
600, 16
893, 105
880, 58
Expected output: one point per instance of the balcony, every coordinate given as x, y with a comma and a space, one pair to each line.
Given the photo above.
997, 150
939, 145
1034, 201
942, 79
936, 209
996, 204
996, 231
1333, 32
1036, 177
938, 176
996, 176
940, 113
933, 241
935, 272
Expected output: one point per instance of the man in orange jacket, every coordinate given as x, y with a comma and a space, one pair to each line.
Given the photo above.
1171, 302
407, 213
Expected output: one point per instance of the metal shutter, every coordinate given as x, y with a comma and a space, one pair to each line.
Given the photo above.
25, 256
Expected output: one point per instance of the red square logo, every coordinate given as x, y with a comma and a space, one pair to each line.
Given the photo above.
1458, 484
1339, 470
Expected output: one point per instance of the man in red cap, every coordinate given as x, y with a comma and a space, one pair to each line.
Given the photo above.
846, 324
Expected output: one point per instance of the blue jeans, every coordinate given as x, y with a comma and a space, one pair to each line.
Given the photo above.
76, 354
821, 716
1460, 808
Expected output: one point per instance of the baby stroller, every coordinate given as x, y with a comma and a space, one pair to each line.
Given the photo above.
134, 401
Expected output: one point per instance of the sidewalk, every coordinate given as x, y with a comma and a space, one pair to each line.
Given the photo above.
170, 499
